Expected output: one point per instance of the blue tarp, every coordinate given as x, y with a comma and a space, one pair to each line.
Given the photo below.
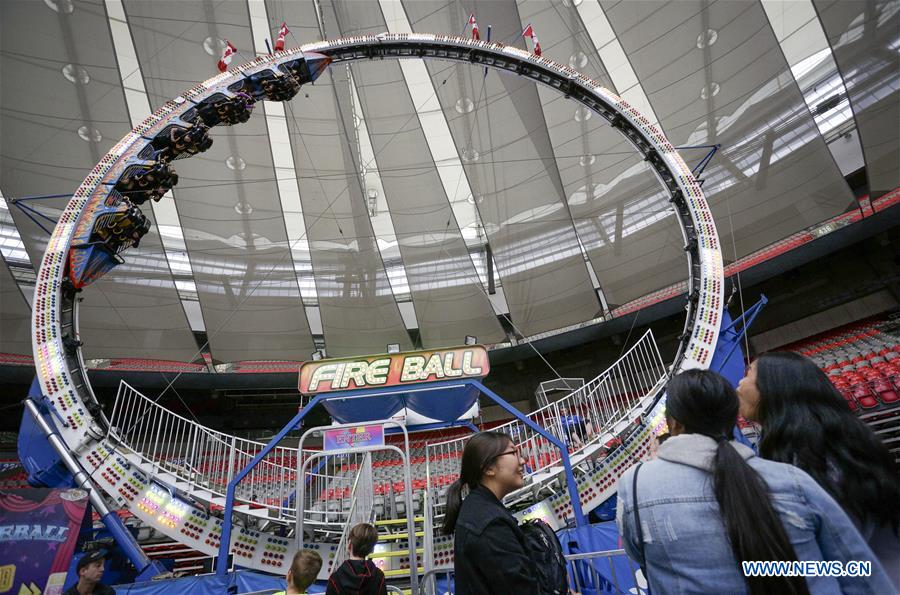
443, 405
242, 581
348, 411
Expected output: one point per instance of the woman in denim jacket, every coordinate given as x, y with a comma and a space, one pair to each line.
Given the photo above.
706, 504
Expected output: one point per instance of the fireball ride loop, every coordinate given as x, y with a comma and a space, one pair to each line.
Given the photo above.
103, 218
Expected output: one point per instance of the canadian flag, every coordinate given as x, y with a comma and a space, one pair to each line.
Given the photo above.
225, 60
282, 33
475, 34
529, 32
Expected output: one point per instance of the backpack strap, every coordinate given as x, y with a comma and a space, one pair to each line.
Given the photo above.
636, 511
639, 530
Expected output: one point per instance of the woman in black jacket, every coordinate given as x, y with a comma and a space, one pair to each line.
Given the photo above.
489, 547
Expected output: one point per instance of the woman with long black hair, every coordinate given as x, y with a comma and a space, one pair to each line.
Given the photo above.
806, 422
489, 547
706, 505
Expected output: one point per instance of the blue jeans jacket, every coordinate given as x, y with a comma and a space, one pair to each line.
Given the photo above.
685, 547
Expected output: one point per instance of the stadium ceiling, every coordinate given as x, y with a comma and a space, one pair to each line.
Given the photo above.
416, 202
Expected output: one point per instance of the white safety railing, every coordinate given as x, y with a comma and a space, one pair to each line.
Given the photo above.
577, 420
329, 495
204, 459
545, 390
362, 508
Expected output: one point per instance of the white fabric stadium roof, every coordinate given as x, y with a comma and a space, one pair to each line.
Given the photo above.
395, 202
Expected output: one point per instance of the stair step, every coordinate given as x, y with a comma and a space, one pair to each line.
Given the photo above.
401, 572
394, 554
383, 522
393, 536
133, 457
204, 495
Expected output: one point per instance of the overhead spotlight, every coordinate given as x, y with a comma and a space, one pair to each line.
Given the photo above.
393, 348
470, 340
318, 354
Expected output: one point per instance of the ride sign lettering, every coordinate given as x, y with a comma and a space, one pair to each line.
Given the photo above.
393, 370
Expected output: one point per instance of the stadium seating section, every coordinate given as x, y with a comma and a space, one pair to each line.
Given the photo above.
862, 361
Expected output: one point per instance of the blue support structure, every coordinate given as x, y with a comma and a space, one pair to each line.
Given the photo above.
731, 334
225, 542
46, 457
728, 359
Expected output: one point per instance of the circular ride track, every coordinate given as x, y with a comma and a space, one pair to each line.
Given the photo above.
103, 219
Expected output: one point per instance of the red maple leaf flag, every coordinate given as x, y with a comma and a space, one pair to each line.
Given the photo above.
225, 60
529, 32
282, 33
475, 34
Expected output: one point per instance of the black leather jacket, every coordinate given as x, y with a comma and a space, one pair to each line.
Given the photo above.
490, 554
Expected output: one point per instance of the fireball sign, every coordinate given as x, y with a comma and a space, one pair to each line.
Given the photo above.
393, 370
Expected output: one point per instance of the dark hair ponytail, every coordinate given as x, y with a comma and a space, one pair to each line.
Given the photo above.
705, 403
479, 453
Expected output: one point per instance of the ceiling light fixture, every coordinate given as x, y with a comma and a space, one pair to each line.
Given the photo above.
243, 208
393, 348
464, 105
582, 114
705, 40
586, 160
469, 154
76, 74
578, 60
88, 134
235, 163
710, 90
214, 46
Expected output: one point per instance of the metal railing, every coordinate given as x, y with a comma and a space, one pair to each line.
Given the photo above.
579, 419
204, 459
362, 508
610, 571
545, 390
429, 582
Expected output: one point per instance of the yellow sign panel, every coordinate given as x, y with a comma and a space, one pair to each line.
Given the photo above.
7, 575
